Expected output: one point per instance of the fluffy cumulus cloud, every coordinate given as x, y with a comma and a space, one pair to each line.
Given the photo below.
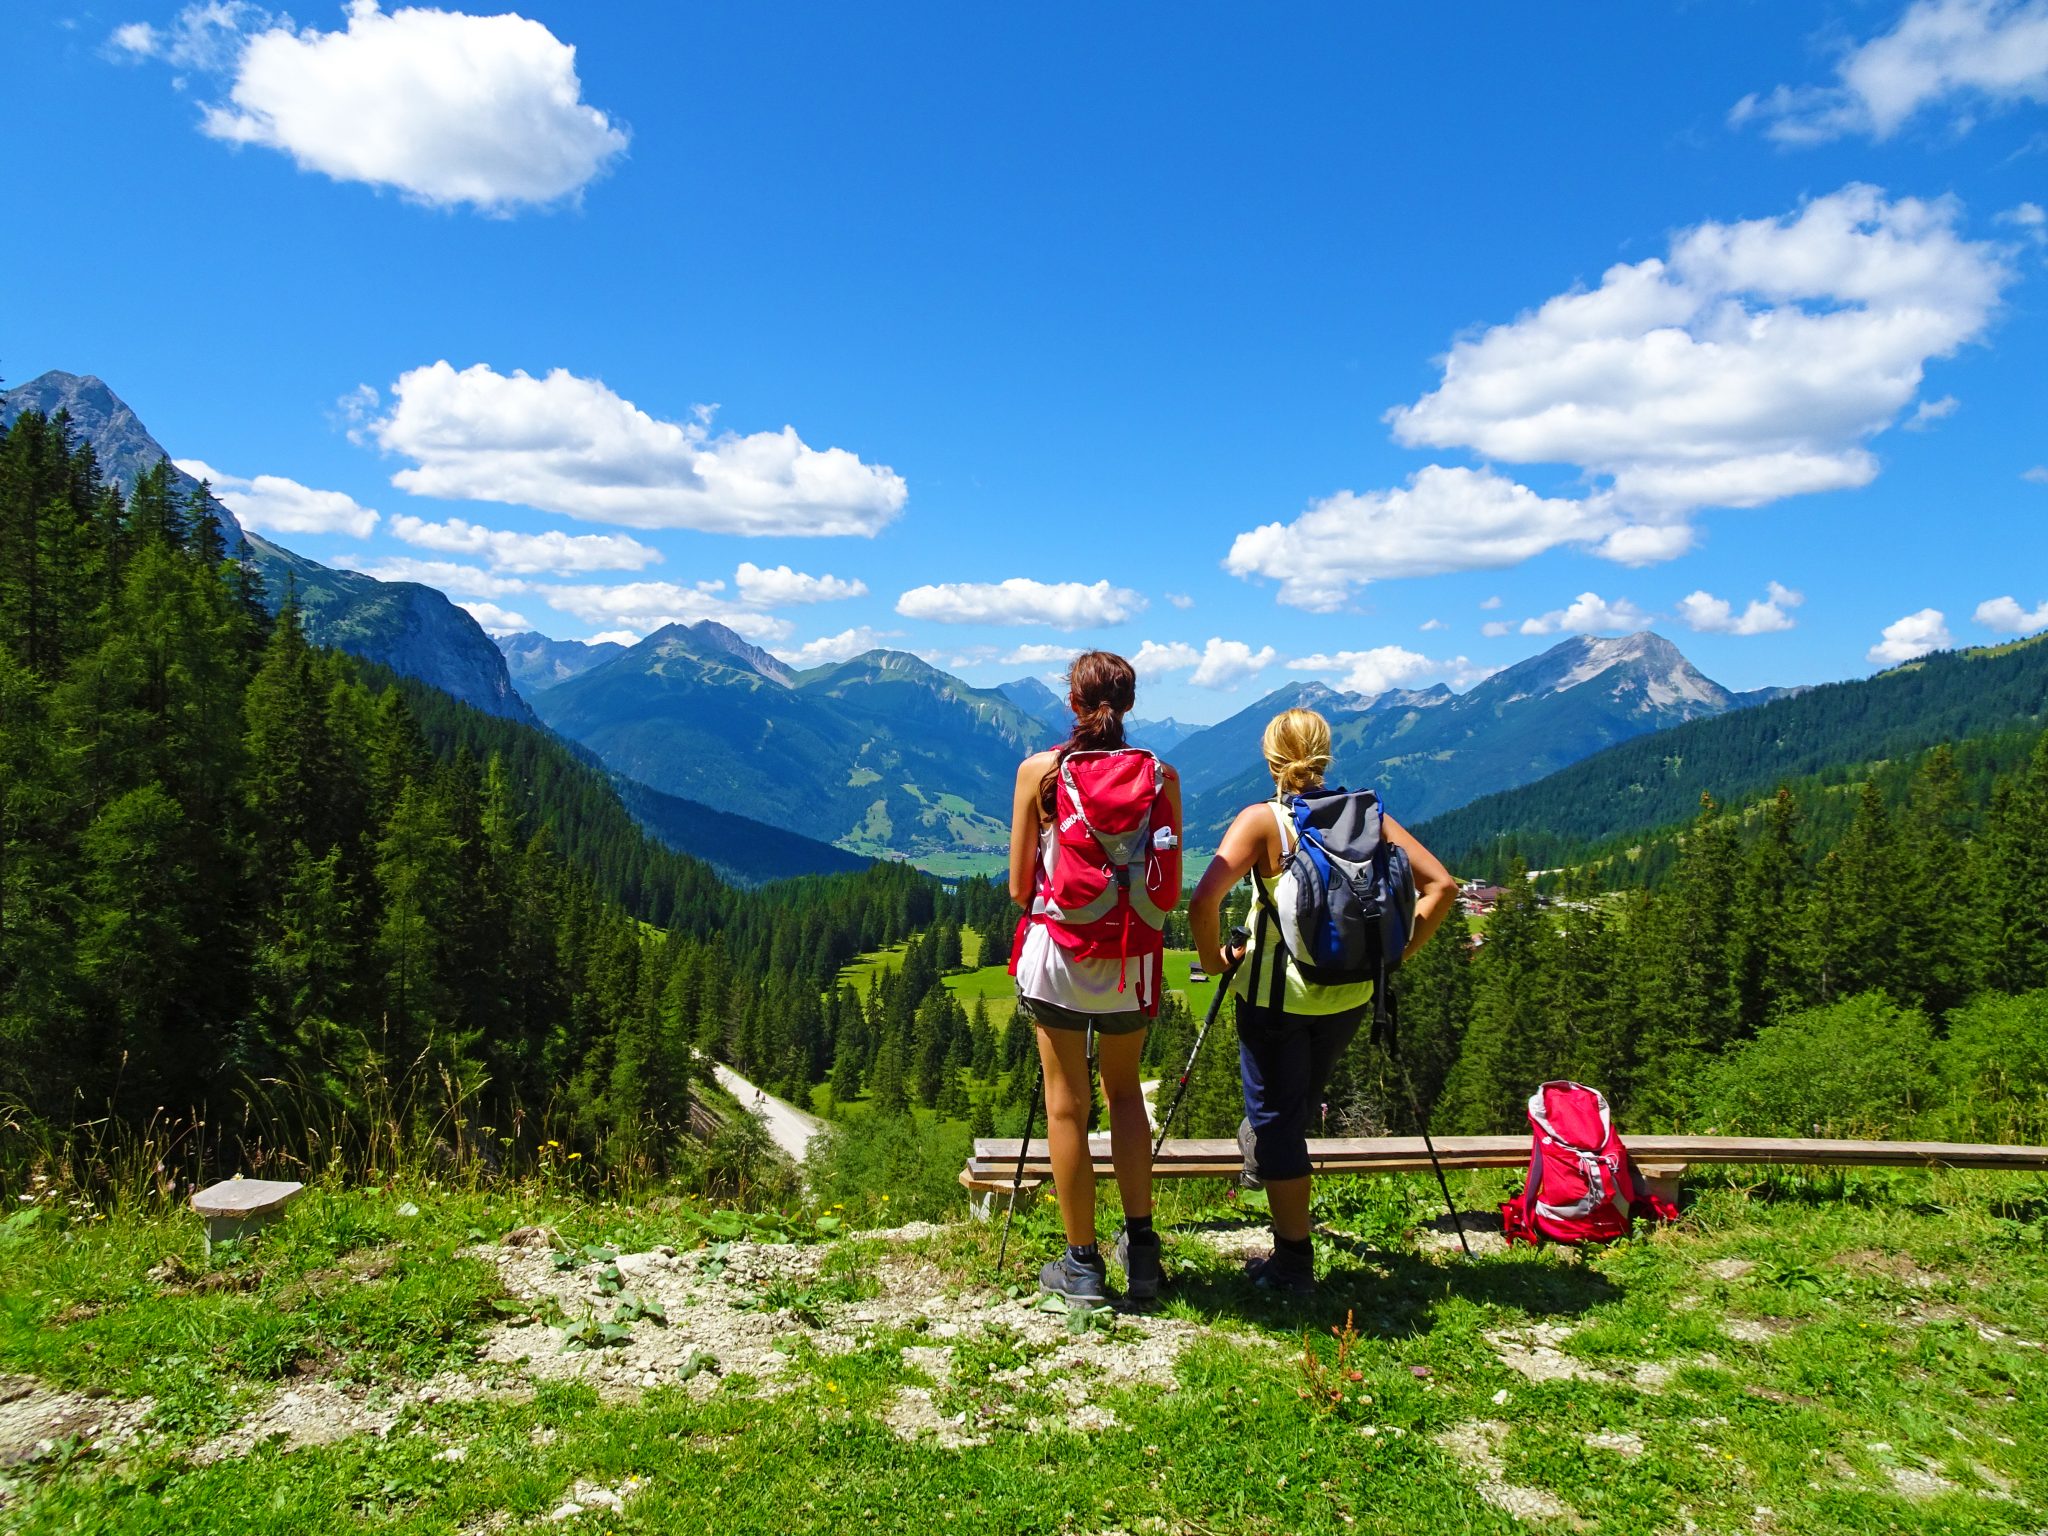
1960, 53
447, 108
1750, 364
2005, 615
1928, 412
844, 646
2030, 219
1753, 362
1226, 663
1588, 614
1221, 664
496, 620
526, 554
1707, 614
570, 445
2038, 475
1382, 667
273, 504
769, 588
1156, 657
1180, 600
1429, 625
1914, 635
459, 581
1058, 605
1040, 656
1444, 519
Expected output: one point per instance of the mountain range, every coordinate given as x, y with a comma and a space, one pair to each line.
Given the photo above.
883, 754
1429, 750
1051, 710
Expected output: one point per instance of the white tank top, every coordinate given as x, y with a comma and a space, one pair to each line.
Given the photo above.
1047, 973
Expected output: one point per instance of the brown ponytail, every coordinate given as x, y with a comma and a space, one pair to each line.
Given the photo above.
1101, 688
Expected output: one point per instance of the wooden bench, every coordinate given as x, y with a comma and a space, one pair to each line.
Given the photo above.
239, 1208
1662, 1159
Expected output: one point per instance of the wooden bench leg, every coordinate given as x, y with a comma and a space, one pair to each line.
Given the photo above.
1662, 1179
988, 1201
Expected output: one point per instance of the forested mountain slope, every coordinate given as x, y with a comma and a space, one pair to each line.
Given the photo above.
413, 629
1657, 780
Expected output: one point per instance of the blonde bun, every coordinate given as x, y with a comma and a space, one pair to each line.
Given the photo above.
1297, 750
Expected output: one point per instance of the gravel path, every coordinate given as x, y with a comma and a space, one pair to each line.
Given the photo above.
790, 1126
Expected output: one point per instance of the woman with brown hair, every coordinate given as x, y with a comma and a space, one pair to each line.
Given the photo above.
1286, 1053
1095, 863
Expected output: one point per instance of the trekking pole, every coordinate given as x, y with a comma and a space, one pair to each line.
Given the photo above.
1017, 1179
1239, 937
1388, 1034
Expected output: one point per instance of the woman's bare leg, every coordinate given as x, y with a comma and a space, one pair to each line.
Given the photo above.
1130, 1133
1063, 1054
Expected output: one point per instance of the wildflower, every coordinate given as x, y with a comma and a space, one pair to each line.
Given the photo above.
574, 1155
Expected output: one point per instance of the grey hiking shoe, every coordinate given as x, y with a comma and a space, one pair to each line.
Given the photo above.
1247, 1147
1292, 1274
1140, 1264
1082, 1285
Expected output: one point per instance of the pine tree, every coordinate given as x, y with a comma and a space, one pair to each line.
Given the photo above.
888, 1091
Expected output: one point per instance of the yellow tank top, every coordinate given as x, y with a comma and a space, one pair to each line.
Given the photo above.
1297, 996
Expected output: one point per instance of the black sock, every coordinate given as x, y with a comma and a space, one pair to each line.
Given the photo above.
1084, 1253
1296, 1245
1138, 1226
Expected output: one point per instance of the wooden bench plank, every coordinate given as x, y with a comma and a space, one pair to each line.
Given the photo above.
238, 1208
996, 1159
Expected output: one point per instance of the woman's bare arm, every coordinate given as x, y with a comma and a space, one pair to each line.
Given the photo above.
1435, 887
1024, 826
1248, 843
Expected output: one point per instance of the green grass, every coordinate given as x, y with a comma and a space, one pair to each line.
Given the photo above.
1879, 1377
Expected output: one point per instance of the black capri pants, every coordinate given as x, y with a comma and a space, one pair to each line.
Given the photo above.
1286, 1061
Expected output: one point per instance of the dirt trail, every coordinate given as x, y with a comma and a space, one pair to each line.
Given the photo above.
790, 1127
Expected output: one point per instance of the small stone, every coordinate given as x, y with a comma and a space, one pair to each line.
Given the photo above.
1500, 1398
1419, 1372
567, 1511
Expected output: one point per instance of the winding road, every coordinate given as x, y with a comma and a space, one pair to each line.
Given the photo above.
789, 1127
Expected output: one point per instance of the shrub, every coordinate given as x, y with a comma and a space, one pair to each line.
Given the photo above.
1995, 1066
1858, 1068
916, 1163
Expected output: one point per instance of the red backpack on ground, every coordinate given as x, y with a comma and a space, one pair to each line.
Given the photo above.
1583, 1186
1115, 862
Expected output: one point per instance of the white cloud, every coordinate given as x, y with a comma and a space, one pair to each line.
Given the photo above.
496, 620
1180, 600
1960, 51
766, 589
1381, 668
1491, 602
1493, 629
1752, 363
1176, 656
1707, 614
2038, 475
570, 445
273, 504
205, 37
527, 554
1930, 411
453, 578
1444, 519
1060, 605
1226, 663
643, 606
1914, 635
844, 646
1428, 625
446, 108
2006, 616
2030, 219
615, 637
1042, 656
1589, 614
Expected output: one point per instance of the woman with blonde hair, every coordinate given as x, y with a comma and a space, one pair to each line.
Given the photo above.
1291, 1029
1095, 863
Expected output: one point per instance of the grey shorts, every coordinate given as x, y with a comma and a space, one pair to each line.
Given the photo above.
1053, 1016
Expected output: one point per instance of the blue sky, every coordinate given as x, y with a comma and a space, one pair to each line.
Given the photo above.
1194, 324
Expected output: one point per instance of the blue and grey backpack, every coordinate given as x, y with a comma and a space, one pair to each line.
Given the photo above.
1344, 904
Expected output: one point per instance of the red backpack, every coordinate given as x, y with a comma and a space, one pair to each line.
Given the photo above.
1115, 862
1583, 1186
